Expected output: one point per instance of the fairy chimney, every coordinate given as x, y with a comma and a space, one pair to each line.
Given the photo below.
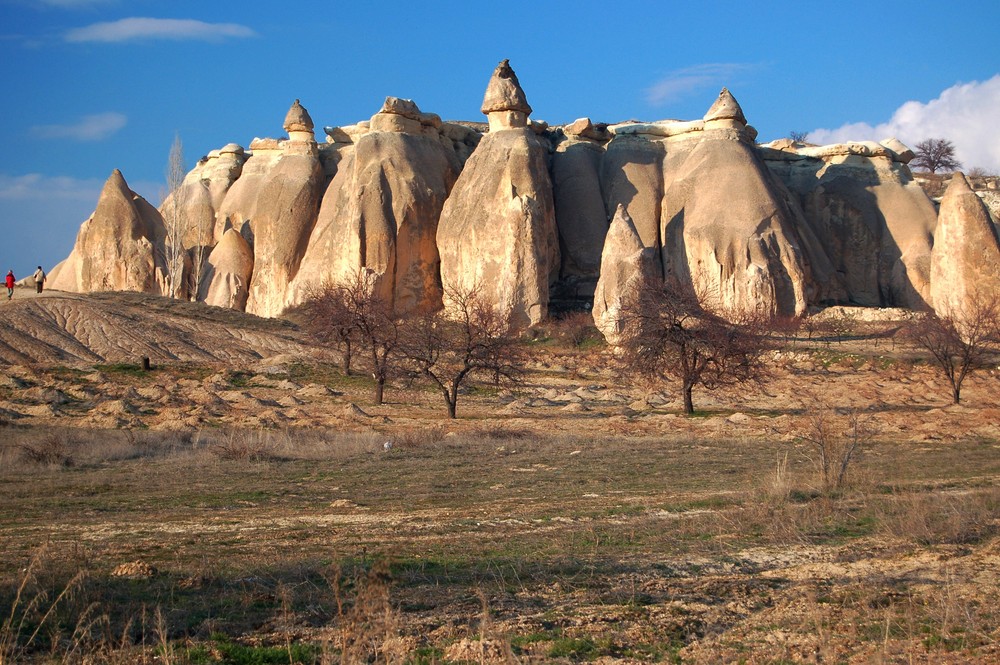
504, 102
725, 113
298, 124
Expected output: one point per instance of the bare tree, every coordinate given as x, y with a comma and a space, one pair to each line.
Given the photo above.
837, 445
173, 209
375, 325
961, 343
935, 155
798, 137
452, 346
330, 319
668, 335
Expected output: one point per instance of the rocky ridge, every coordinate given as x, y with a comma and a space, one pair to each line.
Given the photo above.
521, 211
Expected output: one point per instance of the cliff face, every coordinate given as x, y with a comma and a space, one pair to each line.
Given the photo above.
521, 211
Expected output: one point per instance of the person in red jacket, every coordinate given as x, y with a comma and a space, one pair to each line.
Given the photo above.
10, 284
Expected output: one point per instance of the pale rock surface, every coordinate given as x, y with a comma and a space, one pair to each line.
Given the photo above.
965, 262
226, 279
115, 249
726, 230
381, 212
632, 176
627, 266
284, 216
579, 205
504, 102
497, 230
875, 223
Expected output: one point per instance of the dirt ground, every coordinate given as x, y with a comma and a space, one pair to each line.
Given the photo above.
244, 499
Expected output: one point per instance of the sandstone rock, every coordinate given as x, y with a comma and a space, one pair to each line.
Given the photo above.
725, 108
874, 222
965, 261
381, 212
583, 128
297, 119
115, 249
226, 279
504, 102
901, 152
632, 176
497, 230
726, 231
627, 265
285, 215
579, 207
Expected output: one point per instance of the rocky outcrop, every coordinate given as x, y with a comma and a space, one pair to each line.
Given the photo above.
116, 249
497, 231
726, 231
226, 279
627, 266
381, 211
519, 210
965, 262
875, 223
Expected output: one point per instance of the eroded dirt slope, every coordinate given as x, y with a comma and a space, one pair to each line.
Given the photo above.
67, 328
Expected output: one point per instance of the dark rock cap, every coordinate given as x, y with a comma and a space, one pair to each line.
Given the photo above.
504, 92
726, 108
298, 119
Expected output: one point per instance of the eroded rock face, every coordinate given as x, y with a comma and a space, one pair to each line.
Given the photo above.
875, 223
497, 230
965, 262
627, 266
116, 248
226, 281
285, 213
739, 248
381, 212
520, 211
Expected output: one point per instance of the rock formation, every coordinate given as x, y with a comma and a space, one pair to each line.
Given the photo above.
739, 249
497, 231
228, 272
874, 222
965, 262
116, 249
520, 211
627, 266
381, 210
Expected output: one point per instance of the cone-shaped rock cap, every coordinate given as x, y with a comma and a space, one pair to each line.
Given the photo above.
958, 185
298, 119
504, 92
726, 108
116, 184
623, 233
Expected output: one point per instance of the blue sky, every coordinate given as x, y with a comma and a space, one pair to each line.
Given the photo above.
94, 85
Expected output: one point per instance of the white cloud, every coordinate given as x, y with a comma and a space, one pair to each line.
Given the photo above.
35, 186
88, 128
965, 114
134, 29
682, 82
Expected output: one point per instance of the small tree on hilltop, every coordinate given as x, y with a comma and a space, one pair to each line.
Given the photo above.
452, 346
935, 155
962, 343
668, 335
